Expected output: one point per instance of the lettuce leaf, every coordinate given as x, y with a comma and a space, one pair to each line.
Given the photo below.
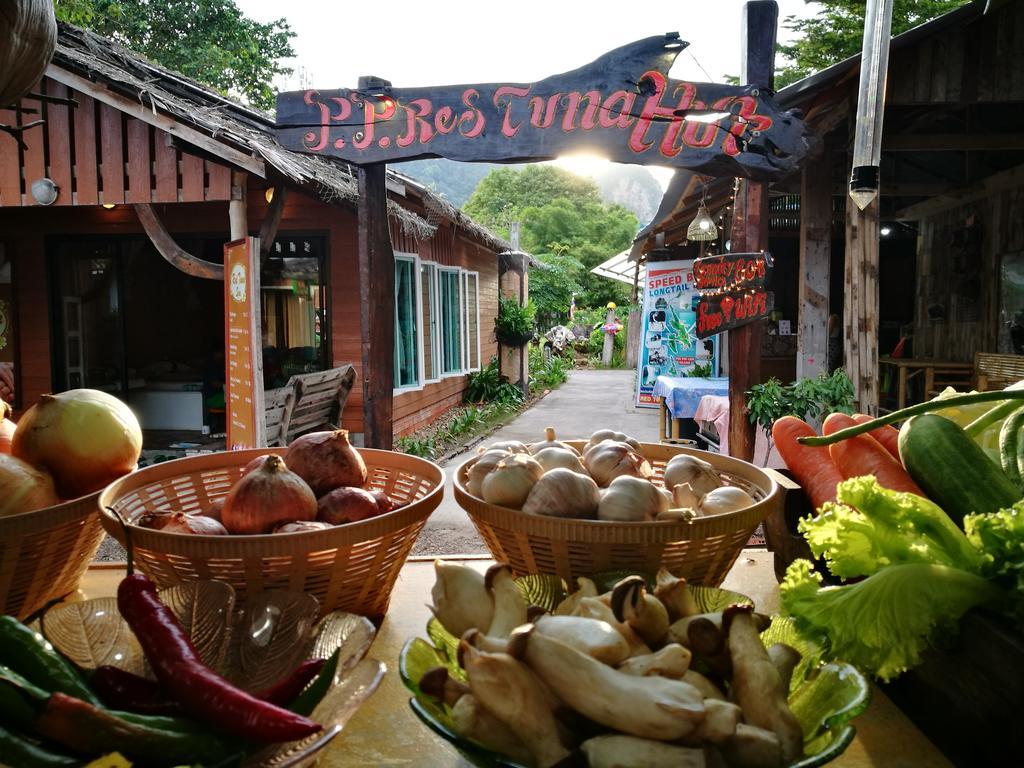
1000, 537
882, 624
871, 528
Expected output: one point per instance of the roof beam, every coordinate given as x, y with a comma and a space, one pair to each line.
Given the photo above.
170, 250
136, 109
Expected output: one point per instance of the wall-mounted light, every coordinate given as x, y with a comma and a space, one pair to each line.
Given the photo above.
885, 231
269, 194
44, 191
108, 206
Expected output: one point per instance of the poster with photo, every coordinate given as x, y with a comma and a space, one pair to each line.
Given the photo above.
668, 343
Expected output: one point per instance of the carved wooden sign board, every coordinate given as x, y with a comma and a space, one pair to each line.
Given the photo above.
733, 291
623, 106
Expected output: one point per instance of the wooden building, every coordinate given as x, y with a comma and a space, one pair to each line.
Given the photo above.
938, 259
149, 175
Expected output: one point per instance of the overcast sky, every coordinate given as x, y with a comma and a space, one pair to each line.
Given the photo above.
475, 41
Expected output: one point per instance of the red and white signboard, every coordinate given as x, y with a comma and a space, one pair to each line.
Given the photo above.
243, 351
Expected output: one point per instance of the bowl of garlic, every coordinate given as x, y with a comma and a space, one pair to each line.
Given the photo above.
577, 507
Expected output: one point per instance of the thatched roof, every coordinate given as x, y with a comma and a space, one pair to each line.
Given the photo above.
243, 129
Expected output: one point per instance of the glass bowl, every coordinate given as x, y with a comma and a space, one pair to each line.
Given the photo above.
824, 697
253, 647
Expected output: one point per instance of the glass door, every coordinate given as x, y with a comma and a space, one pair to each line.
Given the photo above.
91, 351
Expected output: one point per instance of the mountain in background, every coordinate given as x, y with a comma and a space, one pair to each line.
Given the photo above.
631, 186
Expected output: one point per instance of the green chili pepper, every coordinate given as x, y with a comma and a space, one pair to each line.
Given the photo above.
309, 698
82, 727
26, 754
27, 653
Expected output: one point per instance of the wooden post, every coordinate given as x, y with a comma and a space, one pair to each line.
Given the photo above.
815, 257
750, 228
377, 306
609, 338
860, 304
236, 207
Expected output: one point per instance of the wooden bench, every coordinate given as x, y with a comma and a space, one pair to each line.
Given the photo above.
309, 401
995, 371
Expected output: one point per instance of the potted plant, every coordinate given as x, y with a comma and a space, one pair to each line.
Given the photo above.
514, 324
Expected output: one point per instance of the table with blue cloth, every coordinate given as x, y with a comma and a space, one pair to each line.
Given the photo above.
680, 396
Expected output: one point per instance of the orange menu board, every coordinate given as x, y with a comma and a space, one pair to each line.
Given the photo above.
243, 384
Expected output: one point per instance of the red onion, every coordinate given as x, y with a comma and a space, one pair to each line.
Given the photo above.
346, 505
85, 438
23, 488
216, 509
266, 497
302, 526
326, 460
384, 502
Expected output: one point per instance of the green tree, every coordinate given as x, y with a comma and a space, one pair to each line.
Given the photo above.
208, 40
558, 207
836, 32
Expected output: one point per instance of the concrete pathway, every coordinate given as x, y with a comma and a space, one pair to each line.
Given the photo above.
588, 401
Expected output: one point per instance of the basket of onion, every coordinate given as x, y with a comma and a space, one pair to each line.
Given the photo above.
319, 516
579, 507
53, 463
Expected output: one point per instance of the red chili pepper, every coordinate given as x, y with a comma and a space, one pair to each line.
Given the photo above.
120, 689
200, 690
285, 690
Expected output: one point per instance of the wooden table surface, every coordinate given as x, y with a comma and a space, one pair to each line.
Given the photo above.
909, 367
385, 732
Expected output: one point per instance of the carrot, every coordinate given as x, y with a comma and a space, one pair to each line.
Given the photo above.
886, 434
812, 467
863, 455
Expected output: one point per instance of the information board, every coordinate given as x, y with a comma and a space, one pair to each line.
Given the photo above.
243, 352
668, 340
732, 290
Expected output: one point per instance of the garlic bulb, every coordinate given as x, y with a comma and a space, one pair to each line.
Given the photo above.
728, 498
609, 434
553, 458
512, 446
549, 441
610, 459
631, 499
684, 497
487, 461
510, 482
684, 468
563, 493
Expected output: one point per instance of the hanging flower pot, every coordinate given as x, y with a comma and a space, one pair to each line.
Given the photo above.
513, 326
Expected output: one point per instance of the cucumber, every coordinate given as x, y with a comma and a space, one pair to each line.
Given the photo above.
1011, 447
952, 469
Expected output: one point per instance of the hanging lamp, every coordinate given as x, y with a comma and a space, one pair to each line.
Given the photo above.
703, 227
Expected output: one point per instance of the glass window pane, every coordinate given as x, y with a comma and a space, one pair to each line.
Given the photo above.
451, 310
406, 339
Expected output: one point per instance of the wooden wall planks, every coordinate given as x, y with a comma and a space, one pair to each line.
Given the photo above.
58, 134
111, 155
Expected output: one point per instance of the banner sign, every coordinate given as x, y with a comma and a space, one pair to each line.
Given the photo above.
243, 384
732, 291
668, 342
622, 106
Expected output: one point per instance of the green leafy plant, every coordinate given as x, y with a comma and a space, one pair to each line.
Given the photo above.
416, 446
700, 371
546, 373
805, 399
514, 324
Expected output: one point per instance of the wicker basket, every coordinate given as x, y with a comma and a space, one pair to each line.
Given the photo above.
44, 554
350, 567
701, 550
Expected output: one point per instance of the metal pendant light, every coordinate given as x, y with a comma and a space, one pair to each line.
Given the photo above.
874, 66
703, 227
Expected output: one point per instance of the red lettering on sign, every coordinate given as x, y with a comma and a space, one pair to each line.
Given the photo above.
669, 145
542, 116
748, 118
613, 116
417, 115
707, 320
503, 100
469, 98
312, 140
444, 120
726, 304
572, 104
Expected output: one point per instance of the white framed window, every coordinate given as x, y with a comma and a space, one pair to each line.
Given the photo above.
408, 322
471, 320
430, 322
451, 312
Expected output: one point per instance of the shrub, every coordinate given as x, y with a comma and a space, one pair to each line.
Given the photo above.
514, 324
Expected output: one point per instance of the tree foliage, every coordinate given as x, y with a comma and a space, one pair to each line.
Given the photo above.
564, 224
208, 40
836, 32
